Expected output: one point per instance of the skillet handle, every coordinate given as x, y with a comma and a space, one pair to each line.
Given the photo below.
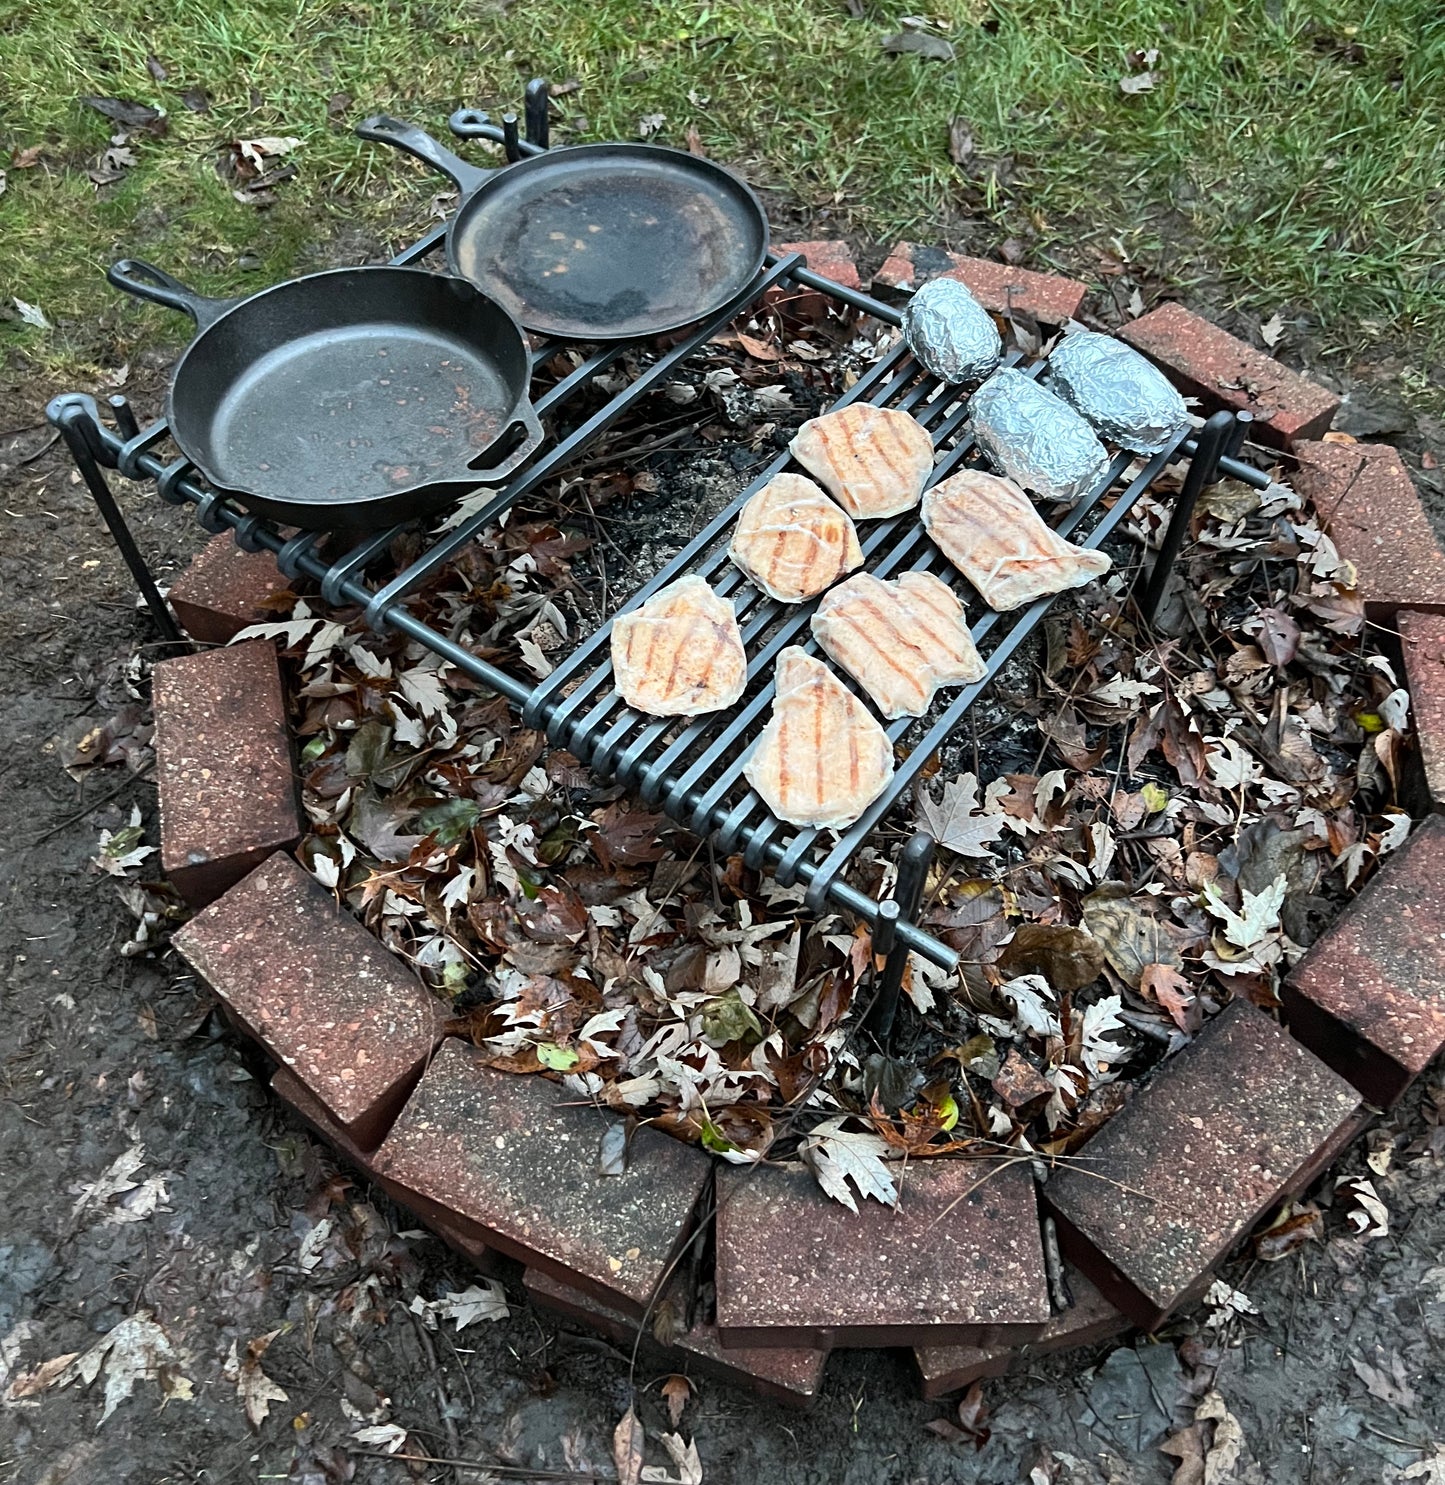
384, 129
146, 281
531, 437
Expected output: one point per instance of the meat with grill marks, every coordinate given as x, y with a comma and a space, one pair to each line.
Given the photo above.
823, 758
792, 541
988, 528
874, 461
900, 641
680, 653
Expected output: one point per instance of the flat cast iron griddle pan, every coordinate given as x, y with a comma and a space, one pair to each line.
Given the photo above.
596, 241
353, 398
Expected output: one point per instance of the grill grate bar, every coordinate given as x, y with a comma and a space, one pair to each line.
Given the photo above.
562, 454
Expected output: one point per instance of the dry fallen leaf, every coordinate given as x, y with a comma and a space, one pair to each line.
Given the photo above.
956, 821
836, 1156
1140, 82
677, 1390
1387, 1382
135, 1350
255, 1389
1271, 331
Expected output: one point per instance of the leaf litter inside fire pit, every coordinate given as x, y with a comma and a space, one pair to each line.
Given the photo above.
1135, 826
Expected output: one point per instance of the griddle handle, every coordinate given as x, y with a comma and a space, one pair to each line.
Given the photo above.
146, 281
407, 137
539, 124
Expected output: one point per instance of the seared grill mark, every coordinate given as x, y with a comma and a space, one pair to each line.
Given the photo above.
691, 657
988, 528
822, 758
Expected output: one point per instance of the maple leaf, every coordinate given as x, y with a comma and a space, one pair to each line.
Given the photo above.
134, 1350
1100, 1019
487, 1301
684, 1460
956, 822
255, 1389
1230, 766
836, 1156
1390, 1385
1260, 917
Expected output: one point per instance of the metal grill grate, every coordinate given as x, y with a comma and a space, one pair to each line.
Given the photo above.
690, 769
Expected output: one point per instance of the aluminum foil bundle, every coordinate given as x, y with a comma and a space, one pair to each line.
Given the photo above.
1036, 439
951, 333
1125, 397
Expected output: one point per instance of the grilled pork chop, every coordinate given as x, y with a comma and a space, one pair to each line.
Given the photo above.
822, 759
988, 528
792, 541
900, 641
680, 654
872, 460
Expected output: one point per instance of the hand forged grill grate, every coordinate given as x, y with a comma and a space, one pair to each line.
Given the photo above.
690, 768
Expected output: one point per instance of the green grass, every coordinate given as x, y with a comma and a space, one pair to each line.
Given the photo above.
1292, 152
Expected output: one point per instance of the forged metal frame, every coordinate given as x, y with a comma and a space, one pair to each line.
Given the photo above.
609, 737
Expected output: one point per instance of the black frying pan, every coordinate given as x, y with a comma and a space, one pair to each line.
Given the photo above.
352, 398
596, 241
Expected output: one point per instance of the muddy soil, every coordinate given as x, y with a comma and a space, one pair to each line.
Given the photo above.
103, 1051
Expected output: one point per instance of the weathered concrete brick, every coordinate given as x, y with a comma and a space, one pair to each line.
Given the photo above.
1234, 1123
224, 589
1364, 493
960, 1261
1369, 996
321, 994
1089, 1320
516, 1157
1048, 297
223, 766
1209, 363
790, 1377
1422, 642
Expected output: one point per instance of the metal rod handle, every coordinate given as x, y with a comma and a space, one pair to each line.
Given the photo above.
536, 106
907, 897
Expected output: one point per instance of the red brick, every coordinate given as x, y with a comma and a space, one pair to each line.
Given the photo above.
1369, 996
1235, 1122
319, 992
790, 1377
1365, 495
516, 1157
997, 286
224, 589
312, 1113
1206, 362
1422, 641
958, 1262
223, 766
1089, 1320
833, 258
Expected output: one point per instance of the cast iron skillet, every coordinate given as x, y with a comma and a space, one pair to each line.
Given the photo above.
596, 241
353, 398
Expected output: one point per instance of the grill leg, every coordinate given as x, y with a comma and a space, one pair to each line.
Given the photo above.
907, 897
539, 126
1215, 440
74, 423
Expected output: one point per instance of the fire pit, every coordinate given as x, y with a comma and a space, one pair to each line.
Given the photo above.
616, 1228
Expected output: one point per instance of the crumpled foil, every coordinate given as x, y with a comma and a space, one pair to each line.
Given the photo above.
1036, 439
951, 333
1125, 397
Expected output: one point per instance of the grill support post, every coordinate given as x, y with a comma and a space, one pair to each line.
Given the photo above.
77, 426
913, 864
1218, 439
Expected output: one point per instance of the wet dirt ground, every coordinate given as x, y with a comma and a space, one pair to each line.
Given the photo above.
103, 1052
